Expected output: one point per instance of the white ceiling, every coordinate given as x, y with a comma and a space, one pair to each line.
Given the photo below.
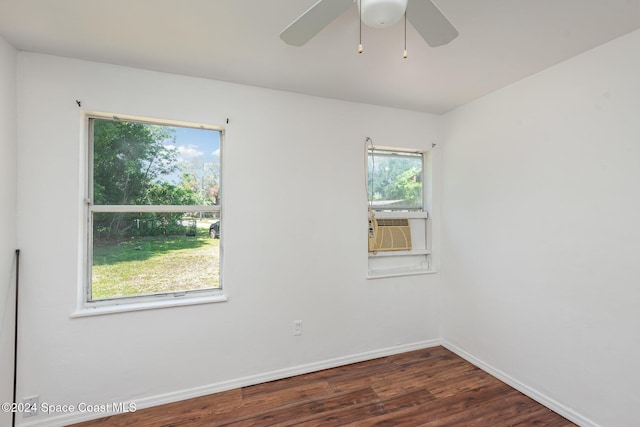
500, 42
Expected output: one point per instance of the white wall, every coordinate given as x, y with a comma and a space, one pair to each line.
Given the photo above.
295, 245
541, 233
8, 59
539, 238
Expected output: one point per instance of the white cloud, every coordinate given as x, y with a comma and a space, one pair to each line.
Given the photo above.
189, 151
216, 153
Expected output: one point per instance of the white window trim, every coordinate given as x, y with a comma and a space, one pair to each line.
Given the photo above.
86, 307
119, 307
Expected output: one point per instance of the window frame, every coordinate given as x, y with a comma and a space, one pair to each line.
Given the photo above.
89, 306
398, 153
419, 260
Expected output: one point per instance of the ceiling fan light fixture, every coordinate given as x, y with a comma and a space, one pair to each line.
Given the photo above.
425, 17
381, 13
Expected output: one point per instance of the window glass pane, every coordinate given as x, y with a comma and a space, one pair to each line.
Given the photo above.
144, 164
395, 180
154, 252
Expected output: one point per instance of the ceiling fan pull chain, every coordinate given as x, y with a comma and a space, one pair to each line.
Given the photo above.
404, 53
360, 49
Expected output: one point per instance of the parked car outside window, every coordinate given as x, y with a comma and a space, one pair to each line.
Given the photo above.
214, 230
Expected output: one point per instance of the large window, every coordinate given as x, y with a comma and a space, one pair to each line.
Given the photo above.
154, 204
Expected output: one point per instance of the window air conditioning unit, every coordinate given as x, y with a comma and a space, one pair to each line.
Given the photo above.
389, 234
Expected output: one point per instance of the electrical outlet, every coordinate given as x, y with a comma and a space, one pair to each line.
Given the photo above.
30, 406
297, 327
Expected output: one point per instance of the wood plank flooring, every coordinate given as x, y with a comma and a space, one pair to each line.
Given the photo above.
431, 387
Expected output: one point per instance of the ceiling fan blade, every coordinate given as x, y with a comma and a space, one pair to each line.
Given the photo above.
313, 20
430, 23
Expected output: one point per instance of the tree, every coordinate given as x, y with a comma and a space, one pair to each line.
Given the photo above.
202, 178
131, 166
395, 179
128, 158
161, 223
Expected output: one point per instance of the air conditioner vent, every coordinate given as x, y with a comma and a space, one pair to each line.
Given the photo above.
389, 234
390, 222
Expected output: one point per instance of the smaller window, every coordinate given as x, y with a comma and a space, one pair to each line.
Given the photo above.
394, 180
399, 226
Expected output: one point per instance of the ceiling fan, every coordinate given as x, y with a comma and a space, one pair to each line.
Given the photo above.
425, 17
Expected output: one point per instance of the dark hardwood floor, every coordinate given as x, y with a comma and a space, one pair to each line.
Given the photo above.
431, 387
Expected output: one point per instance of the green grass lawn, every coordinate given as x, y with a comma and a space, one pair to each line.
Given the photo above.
149, 265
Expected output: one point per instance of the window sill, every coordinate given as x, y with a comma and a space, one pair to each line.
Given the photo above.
381, 274
382, 254
147, 305
402, 214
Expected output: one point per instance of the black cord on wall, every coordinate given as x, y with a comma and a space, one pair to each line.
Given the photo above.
15, 341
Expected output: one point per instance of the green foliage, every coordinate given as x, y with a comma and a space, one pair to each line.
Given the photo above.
406, 187
112, 226
128, 158
395, 179
202, 179
169, 194
131, 166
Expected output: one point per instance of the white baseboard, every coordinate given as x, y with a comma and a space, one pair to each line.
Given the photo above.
147, 402
541, 398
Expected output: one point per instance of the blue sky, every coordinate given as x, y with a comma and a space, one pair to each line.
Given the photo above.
192, 143
202, 145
